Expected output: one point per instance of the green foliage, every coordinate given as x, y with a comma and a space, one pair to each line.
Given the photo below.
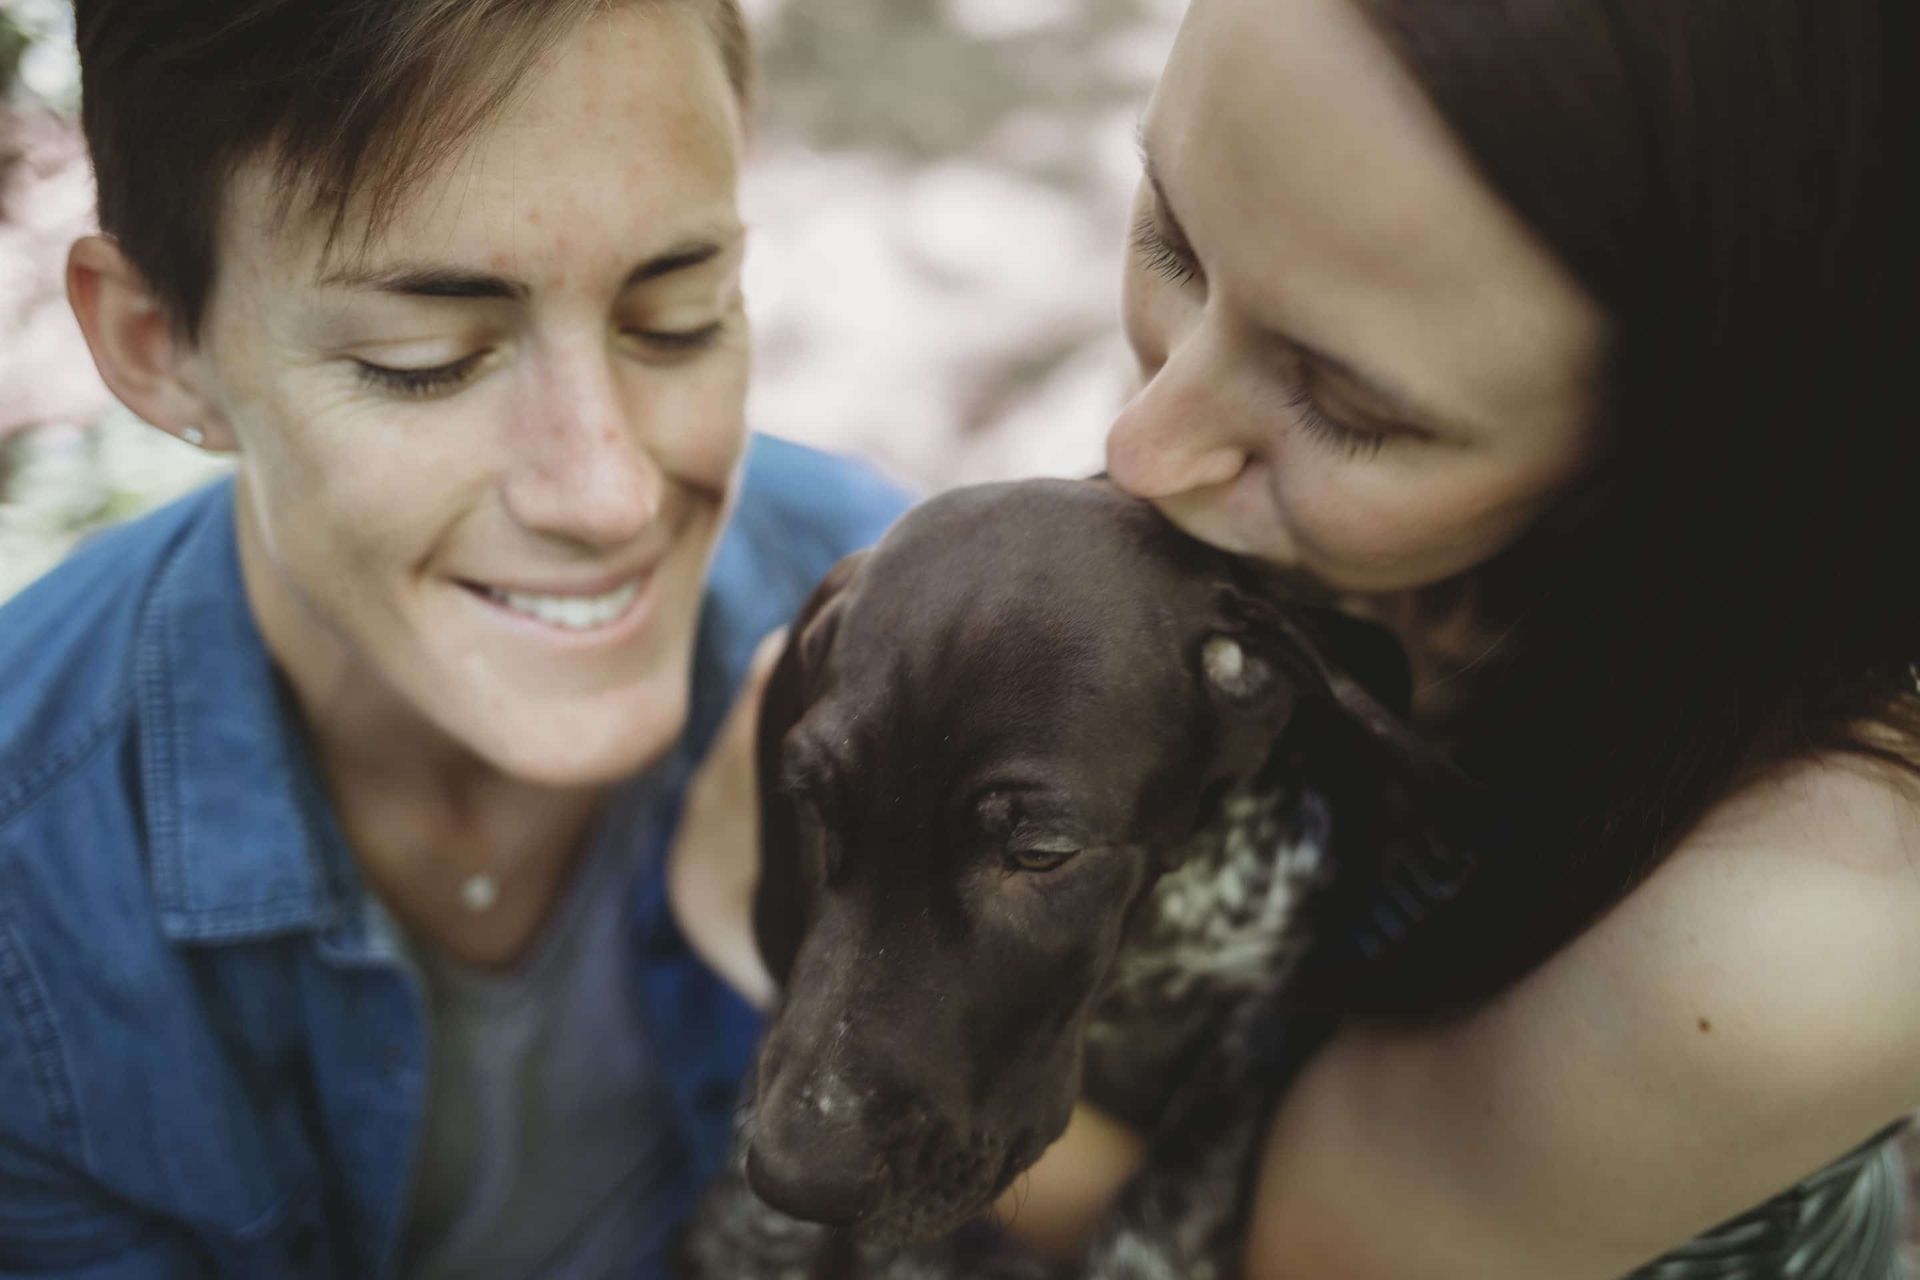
13, 47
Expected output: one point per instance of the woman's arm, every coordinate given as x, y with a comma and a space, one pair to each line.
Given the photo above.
1747, 1015
1055, 1205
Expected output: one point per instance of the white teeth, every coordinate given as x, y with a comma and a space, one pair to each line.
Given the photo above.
571, 613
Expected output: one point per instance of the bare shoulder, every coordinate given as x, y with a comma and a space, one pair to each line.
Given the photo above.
1786, 930
1847, 812
1746, 1015
1789, 923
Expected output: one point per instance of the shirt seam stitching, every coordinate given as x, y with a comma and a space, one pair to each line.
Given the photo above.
18, 793
33, 1010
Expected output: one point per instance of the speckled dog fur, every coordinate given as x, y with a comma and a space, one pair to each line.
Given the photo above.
1171, 1050
1019, 671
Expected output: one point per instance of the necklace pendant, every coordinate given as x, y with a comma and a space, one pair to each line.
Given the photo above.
480, 891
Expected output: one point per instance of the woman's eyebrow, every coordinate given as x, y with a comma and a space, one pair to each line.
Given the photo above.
430, 280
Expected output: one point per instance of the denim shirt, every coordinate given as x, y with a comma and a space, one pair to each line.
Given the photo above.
212, 1056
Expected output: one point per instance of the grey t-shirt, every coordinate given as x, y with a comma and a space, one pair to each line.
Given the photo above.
546, 1151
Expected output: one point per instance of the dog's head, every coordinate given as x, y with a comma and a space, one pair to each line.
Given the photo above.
985, 740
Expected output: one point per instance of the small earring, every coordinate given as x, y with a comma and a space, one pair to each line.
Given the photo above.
193, 436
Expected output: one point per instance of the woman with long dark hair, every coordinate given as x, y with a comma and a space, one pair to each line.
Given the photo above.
1576, 339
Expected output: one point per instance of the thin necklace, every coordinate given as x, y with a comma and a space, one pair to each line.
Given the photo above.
479, 891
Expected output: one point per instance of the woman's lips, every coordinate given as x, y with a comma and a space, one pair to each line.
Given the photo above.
568, 611
586, 615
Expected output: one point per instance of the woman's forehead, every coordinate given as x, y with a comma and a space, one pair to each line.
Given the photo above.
627, 131
1333, 204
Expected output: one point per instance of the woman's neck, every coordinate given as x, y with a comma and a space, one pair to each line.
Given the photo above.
469, 858
1445, 641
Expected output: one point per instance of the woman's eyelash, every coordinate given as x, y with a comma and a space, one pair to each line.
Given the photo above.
689, 340
419, 382
1159, 255
444, 377
1351, 442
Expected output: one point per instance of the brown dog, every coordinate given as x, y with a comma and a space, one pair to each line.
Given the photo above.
1031, 810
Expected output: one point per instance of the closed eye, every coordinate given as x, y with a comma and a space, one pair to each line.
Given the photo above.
1166, 257
1039, 861
419, 383
674, 341
1041, 854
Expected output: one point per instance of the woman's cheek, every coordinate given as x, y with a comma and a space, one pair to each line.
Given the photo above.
1416, 529
693, 421
1145, 329
1375, 533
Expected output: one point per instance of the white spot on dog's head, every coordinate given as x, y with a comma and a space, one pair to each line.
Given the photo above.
1224, 659
1230, 670
831, 1093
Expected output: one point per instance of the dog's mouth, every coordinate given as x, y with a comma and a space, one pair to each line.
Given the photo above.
936, 1185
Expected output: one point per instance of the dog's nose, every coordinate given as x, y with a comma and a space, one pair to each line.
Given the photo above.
812, 1182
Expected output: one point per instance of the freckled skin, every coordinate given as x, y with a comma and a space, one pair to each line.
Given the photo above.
574, 451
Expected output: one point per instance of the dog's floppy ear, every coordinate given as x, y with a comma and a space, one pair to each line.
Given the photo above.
1263, 658
1399, 801
780, 905
1277, 654
1365, 653
1254, 697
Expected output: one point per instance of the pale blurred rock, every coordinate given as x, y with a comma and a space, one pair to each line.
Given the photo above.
70, 481
46, 199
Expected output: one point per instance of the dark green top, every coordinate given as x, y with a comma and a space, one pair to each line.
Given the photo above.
1843, 1223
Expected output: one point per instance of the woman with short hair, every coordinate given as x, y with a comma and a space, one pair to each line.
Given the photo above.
335, 936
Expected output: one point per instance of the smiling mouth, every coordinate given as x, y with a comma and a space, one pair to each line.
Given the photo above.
566, 613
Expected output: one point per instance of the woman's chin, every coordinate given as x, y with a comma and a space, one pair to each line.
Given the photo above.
599, 742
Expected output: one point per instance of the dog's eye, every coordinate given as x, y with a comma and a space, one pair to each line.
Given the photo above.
1041, 855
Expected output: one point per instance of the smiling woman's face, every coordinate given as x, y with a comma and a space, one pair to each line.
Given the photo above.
483, 462
1357, 360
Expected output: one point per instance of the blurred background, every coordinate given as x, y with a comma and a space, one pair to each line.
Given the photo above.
938, 197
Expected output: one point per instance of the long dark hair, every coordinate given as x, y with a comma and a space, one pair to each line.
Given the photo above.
1736, 585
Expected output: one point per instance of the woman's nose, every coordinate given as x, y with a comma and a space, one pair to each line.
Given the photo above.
581, 470
1177, 433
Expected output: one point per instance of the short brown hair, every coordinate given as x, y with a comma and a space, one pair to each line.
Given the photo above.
353, 99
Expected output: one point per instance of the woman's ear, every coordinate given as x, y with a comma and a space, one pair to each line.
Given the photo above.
142, 356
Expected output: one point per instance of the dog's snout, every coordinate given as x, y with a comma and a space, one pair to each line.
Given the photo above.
813, 1157
813, 1182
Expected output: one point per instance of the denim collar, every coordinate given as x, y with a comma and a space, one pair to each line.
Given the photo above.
243, 842
237, 839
